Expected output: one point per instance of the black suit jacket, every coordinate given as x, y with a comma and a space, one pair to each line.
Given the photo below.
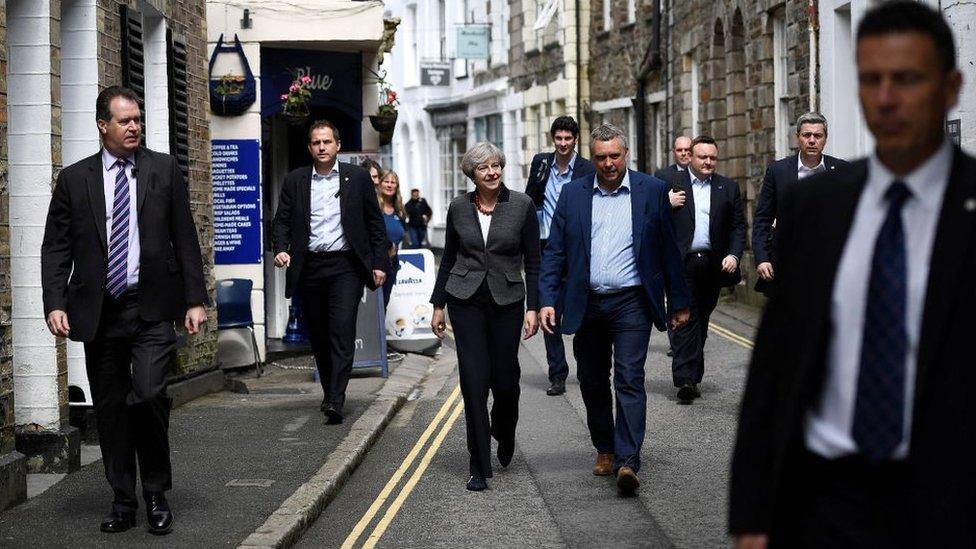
789, 363
780, 176
362, 221
726, 223
74, 253
535, 185
671, 173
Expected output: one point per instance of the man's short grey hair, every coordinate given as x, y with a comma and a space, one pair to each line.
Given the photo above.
481, 153
608, 132
811, 118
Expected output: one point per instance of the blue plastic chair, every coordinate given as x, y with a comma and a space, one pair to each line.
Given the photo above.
234, 310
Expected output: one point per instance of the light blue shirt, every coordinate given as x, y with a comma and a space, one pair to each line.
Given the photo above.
109, 173
612, 263
554, 187
325, 226
702, 194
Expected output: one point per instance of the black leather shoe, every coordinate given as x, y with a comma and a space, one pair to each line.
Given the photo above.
324, 405
332, 415
476, 484
557, 387
117, 522
505, 452
687, 393
159, 518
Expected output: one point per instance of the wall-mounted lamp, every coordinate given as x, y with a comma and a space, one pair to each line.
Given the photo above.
246, 20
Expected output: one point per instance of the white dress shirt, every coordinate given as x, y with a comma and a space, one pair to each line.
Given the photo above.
828, 427
803, 171
485, 222
109, 173
702, 193
325, 225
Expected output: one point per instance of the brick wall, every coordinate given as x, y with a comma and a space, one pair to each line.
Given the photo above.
6, 345
189, 20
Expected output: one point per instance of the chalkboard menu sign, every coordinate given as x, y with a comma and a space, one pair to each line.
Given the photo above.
235, 168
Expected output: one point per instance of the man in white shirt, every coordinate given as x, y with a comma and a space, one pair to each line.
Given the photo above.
856, 427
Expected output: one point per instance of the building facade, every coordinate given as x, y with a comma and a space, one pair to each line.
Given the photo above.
58, 56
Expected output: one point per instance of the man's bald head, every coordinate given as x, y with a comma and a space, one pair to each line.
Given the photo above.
682, 151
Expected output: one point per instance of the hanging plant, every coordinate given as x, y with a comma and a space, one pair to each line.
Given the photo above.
294, 106
230, 84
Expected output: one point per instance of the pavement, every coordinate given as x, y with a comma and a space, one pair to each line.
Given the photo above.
237, 457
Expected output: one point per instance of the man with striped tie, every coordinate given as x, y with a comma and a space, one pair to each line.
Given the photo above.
120, 262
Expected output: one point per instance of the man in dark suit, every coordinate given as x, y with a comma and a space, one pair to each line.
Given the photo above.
547, 176
682, 157
329, 233
856, 427
711, 232
811, 138
120, 262
613, 257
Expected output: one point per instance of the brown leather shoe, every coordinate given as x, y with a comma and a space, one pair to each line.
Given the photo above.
627, 481
604, 465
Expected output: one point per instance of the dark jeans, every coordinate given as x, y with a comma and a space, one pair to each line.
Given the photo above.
616, 329
555, 350
127, 364
417, 236
688, 341
488, 337
332, 288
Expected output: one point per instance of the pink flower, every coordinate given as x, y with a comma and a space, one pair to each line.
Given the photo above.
284, 96
306, 79
293, 88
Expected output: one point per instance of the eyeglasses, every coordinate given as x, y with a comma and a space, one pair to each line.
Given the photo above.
485, 168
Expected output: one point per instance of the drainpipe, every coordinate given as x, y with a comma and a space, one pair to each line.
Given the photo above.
651, 62
812, 29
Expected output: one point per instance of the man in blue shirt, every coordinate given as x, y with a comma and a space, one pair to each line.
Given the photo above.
548, 173
611, 258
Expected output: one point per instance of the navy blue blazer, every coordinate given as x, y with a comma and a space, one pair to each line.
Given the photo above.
659, 263
535, 186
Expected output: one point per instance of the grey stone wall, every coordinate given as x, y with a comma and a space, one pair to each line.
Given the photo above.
6, 345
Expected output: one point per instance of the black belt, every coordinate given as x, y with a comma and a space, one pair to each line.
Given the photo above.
704, 254
616, 292
326, 255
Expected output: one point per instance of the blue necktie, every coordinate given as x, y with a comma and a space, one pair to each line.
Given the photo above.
880, 406
118, 247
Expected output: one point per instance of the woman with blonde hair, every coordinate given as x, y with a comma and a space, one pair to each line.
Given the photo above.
394, 217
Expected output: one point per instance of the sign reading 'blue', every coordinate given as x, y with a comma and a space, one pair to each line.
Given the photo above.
236, 201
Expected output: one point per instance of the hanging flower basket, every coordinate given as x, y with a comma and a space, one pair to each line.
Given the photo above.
383, 122
294, 104
296, 117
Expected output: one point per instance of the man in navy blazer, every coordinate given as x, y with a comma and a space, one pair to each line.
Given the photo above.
612, 254
811, 138
550, 172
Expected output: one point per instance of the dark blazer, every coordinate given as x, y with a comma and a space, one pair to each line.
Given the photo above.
513, 242
726, 223
362, 222
670, 173
74, 253
535, 185
789, 364
567, 254
780, 176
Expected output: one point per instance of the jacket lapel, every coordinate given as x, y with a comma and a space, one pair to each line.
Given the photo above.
305, 198
477, 220
686, 186
585, 214
498, 215
638, 207
716, 201
96, 196
143, 178
344, 189
950, 250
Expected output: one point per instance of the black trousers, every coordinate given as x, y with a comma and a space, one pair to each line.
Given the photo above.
845, 502
332, 288
487, 336
127, 364
555, 349
688, 341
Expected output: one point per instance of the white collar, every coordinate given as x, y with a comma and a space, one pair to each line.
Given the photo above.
927, 182
334, 170
801, 167
109, 159
624, 184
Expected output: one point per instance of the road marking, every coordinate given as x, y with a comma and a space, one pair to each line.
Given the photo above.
731, 336
395, 479
391, 513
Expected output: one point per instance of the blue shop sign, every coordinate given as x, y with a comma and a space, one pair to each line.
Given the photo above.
235, 169
337, 79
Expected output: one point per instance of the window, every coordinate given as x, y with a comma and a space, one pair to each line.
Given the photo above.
631, 11
453, 144
631, 138
489, 128
442, 27
781, 106
695, 97
607, 15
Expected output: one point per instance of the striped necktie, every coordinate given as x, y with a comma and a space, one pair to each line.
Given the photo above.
118, 248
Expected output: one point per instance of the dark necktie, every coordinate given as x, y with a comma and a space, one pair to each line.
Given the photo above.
880, 404
118, 247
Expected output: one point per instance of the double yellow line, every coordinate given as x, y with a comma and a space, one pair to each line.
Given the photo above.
731, 336
451, 415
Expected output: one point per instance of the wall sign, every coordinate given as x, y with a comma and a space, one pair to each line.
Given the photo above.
472, 41
434, 73
337, 79
235, 168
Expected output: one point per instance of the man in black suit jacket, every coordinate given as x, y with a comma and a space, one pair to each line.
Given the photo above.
711, 232
811, 138
120, 262
329, 233
548, 173
856, 427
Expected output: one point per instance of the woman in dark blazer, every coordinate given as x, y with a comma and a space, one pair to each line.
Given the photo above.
492, 235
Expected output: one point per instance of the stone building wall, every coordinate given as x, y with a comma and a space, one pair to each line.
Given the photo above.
6, 345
